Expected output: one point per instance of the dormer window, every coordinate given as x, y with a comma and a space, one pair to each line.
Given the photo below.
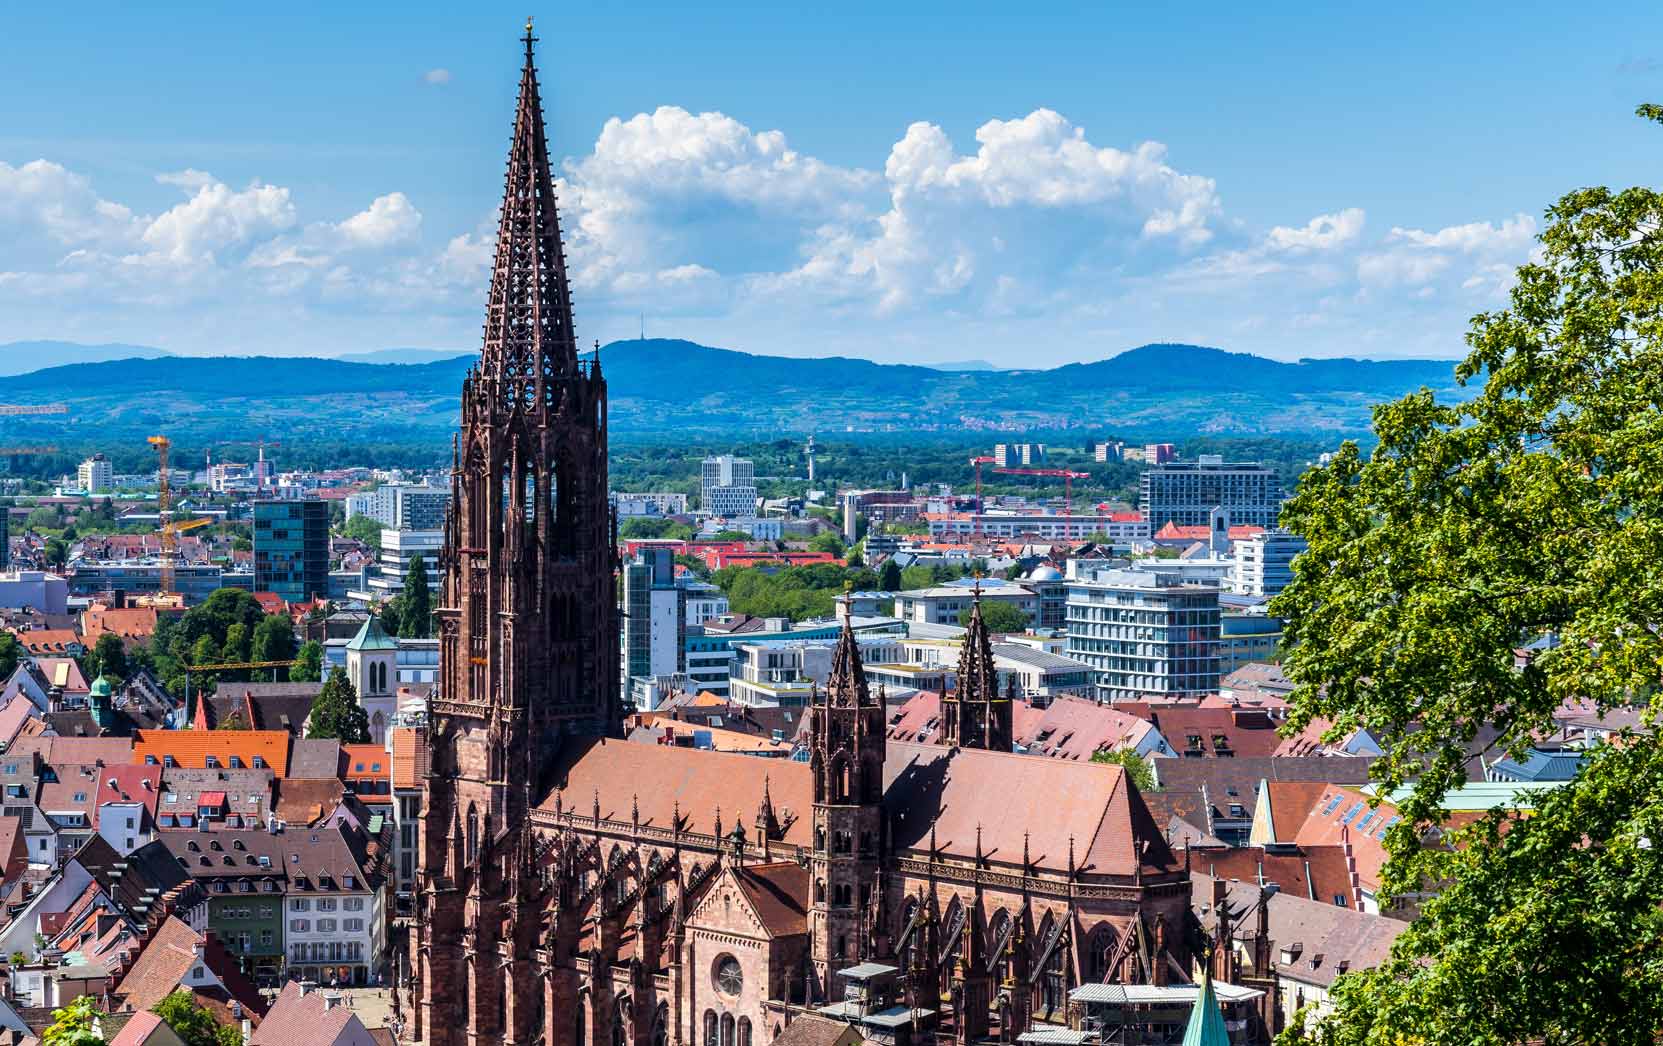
259, 762
211, 762
236, 762
168, 761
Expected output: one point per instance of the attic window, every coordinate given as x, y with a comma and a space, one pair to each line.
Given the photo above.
259, 762
167, 760
1339, 901
191, 845
211, 762
236, 762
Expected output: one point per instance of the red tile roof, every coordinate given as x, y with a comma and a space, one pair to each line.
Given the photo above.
191, 748
409, 756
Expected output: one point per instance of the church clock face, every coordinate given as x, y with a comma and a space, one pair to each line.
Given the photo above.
729, 977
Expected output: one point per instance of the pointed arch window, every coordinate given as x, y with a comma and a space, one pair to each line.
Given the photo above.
473, 834
710, 1025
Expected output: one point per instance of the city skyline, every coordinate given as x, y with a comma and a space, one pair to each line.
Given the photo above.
1046, 184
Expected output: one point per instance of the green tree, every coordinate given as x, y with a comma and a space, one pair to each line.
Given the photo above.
204, 651
889, 577
309, 668
416, 613
56, 552
73, 1025
999, 616
273, 639
652, 527
109, 656
854, 558
10, 651
365, 529
1532, 511
193, 1023
43, 518
826, 541
730, 535
1137, 767
238, 643
336, 712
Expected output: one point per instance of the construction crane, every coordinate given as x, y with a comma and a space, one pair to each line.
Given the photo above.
164, 509
14, 410
229, 666
1068, 477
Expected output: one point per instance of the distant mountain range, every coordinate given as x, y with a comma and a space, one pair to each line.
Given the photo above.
661, 387
21, 357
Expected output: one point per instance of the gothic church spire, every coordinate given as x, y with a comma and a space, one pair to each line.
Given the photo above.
529, 339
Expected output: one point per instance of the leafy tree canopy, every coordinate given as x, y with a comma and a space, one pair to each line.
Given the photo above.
365, 529
999, 616
310, 668
1135, 766
73, 1025
1534, 511
193, 1023
336, 712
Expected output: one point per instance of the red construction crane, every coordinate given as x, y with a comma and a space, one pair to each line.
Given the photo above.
1068, 477
978, 462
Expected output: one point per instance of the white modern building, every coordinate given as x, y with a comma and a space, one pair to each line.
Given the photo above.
727, 486
705, 602
1121, 528
1144, 632
35, 589
655, 619
942, 604
399, 549
400, 506
96, 475
783, 673
1264, 562
630, 505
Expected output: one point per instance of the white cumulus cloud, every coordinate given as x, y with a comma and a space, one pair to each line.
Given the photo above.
1324, 232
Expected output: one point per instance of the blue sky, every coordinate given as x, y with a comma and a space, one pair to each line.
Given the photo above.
949, 181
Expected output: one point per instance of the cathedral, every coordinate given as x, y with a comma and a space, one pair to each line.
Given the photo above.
579, 890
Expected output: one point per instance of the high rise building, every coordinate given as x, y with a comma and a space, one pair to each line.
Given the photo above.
402, 506
727, 486
96, 475
5, 534
291, 549
1186, 492
1144, 632
655, 617
399, 550
1264, 562
1018, 455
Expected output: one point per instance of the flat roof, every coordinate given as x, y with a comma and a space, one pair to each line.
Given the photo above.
1150, 994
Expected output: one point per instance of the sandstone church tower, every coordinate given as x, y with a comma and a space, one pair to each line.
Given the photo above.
528, 625
847, 739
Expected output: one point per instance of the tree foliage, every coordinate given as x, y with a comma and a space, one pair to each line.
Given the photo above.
309, 668
1136, 767
73, 1025
794, 592
365, 529
999, 616
10, 652
336, 712
1534, 511
273, 639
193, 1023
109, 657
889, 576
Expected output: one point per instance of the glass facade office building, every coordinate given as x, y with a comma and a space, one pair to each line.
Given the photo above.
291, 549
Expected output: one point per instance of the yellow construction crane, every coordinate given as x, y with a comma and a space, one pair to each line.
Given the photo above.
164, 507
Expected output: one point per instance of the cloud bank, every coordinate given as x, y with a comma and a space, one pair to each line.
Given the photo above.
1032, 243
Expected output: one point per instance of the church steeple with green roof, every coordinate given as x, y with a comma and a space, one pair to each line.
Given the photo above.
1206, 1026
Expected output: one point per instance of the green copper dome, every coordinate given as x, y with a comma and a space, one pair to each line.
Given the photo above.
100, 687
